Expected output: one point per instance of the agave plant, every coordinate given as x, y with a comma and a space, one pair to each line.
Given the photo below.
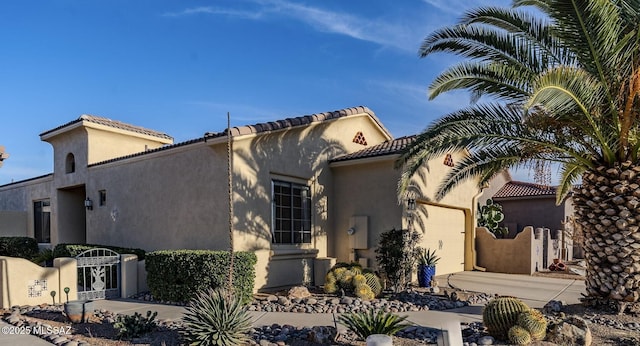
216, 317
372, 322
428, 258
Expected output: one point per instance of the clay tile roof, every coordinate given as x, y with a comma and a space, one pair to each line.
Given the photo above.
385, 148
112, 123
514, 189
297, 121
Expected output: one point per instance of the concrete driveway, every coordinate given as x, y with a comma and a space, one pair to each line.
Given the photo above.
535, 291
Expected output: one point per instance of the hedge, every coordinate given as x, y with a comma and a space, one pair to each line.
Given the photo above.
24, 247
177, 275
73, 250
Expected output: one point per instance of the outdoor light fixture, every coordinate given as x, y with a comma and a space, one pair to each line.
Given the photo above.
88, 204
411, 204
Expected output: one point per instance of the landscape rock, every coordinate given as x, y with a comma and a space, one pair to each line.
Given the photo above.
299, 292
570, 331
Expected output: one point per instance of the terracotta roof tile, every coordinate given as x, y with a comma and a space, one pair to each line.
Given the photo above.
521, 189
112, 123
297, 121
385, 148
256, 128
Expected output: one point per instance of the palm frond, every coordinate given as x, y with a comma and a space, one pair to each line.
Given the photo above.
569, 175
502, 81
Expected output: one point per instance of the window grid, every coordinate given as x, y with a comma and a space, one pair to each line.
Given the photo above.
291, 213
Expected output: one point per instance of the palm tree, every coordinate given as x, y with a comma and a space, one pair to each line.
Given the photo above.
562, 80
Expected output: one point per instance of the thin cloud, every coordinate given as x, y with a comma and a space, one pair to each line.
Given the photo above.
216, 11
383, 32
457, 7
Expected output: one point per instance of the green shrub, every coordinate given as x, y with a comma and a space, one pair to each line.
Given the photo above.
372, 322
177, 275
216, 317
396, 254
23, 247
73, 250
44, 256
133, 326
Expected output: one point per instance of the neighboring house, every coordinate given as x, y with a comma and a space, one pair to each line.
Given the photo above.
309, 187
528, 204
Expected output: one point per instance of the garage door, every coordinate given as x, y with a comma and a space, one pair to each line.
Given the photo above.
443, 230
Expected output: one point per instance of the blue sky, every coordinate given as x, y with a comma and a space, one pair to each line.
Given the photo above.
180, 66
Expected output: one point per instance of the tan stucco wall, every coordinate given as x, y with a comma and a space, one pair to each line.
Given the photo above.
13, 223
105, 143
17, 275
171, 199
513, 256
298, 155
19, 198
369, 188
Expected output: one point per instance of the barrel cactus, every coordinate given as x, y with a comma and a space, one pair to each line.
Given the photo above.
374, 282
363, 291
500, 314
519, 335
352, 279
534, 322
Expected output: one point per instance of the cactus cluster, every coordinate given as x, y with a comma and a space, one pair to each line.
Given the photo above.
508, 317
352, 279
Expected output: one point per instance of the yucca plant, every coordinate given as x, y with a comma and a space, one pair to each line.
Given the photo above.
216, 317
372, 322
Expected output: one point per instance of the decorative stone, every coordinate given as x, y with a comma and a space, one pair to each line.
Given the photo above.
486, 340
571, 331
299, 292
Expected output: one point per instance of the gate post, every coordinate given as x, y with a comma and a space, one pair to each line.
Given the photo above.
129, 275
68, 276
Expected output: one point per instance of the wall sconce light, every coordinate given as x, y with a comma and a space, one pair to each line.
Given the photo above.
88, 204
411, 204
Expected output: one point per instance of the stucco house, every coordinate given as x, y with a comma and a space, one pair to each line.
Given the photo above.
304, 188
529, 204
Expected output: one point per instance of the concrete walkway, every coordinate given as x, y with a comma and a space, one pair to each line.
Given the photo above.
535, 291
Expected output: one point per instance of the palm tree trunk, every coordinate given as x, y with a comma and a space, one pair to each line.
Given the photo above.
608, 209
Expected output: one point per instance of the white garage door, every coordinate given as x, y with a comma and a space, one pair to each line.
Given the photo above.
444, 232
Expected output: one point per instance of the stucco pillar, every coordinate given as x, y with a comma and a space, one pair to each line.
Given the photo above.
128, 275
68, 277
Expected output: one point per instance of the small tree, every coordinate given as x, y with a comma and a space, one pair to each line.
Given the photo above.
397, 253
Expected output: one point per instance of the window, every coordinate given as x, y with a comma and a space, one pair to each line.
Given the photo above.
103, 197
42, 221
291, 213
70, 163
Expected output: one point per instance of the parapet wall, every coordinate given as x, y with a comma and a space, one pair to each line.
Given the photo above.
528, 252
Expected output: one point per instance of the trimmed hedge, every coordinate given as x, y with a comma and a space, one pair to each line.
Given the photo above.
73, 250
23, 247
178, 275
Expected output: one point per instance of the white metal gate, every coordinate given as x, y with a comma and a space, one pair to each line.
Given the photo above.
98, 274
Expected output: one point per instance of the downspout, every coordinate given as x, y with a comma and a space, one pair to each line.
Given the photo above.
474, 225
